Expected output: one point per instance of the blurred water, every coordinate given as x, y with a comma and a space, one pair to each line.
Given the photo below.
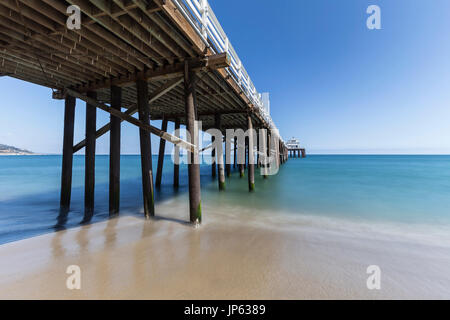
402, 189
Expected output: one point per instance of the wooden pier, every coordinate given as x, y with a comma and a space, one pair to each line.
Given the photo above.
297, 152
162, 59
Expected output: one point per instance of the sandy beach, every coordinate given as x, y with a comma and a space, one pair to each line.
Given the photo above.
228, 257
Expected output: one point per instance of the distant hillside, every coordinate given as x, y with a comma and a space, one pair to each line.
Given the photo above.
4, 149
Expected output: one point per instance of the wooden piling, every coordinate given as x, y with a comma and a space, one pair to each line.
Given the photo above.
146, 149
176, 166
257, 151
219, 154
280, 158
251, 155
114, 153
246, 153
227, 156
195, 207
89, 164
235, 153
213, 158
268, 163
67, 157
162, 149
263, 140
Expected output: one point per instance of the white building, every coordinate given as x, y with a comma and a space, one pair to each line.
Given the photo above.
293, 143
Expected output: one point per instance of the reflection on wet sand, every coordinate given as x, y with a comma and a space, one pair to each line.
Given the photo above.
164, 258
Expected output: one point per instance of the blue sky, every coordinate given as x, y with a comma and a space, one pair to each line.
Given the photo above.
334, 84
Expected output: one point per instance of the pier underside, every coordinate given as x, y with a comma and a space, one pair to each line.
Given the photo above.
117, 41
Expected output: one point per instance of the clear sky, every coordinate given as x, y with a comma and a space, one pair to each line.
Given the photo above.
334, 84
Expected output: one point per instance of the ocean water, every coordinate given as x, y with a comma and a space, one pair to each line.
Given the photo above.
406, 190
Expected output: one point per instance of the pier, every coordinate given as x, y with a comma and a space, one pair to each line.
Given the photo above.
167, 60
294, 150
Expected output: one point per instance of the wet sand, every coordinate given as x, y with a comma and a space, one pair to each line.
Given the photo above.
228, 257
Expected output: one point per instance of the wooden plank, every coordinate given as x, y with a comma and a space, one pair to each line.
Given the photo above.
235, 152
89, 164
114, 153
67, 158
146, 150
251, 155
176, 166
213, 158
200, 114
227, 157
211, 62
162, 148
195, 207
219, 154
257, 151
180, 21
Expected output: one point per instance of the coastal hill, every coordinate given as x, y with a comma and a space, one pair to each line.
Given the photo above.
10, 150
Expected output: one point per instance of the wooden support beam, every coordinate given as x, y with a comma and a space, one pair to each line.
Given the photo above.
246, 154
277, 152
227, 156
67, 157
195, 207
114, 153
200, 114
180, 21
89, 163
212, 62
162, 149
263, 140
213, 158
241, 170
235, 152
251, 155
267, 166
146, 149
241, 157
126, 117
257, 151
176, 166
219, 155
158, 93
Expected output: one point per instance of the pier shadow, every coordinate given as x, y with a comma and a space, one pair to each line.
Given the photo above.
176, 220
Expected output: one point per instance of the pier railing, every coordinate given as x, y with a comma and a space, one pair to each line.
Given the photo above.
202, 18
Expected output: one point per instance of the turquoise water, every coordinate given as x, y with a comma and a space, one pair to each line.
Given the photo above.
405, 189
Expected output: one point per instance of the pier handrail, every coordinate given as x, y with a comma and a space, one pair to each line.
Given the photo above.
202, 18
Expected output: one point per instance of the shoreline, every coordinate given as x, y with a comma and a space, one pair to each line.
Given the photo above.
232, 256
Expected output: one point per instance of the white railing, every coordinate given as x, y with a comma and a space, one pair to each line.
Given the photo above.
202, 18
